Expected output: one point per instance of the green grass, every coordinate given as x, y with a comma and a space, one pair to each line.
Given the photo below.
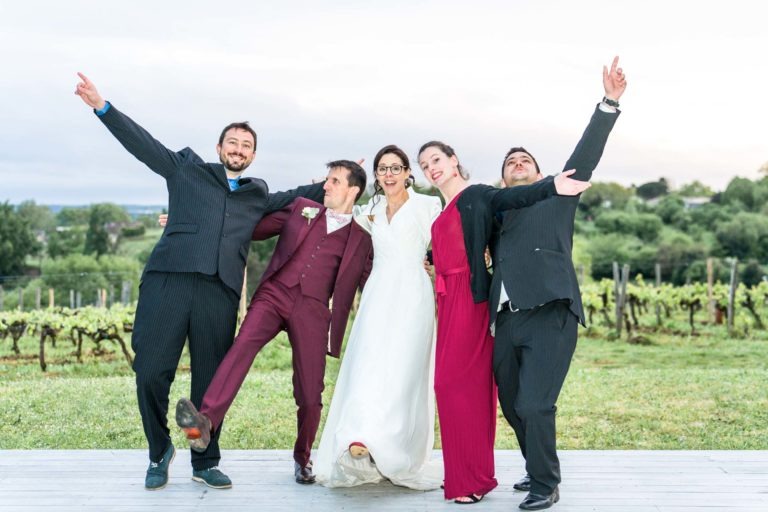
679, 392
132, 247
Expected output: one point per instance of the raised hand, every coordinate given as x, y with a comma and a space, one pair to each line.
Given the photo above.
566, 186
87, 91
614, 80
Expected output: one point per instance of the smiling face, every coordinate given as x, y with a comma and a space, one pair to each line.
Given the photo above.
391, 183
438, 167
236, 150
520, 169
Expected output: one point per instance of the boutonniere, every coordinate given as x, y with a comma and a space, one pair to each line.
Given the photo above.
309, 213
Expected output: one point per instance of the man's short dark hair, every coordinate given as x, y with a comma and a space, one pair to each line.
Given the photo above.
238, 126
355, 177
518, 150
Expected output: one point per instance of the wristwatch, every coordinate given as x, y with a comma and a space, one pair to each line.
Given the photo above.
610, 102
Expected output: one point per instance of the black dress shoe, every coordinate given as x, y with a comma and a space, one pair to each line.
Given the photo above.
524, 484
540, 501
304, 474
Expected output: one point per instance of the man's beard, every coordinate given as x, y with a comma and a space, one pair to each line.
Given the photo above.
232, 166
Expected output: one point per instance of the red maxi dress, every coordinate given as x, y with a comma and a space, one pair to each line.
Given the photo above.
464, 386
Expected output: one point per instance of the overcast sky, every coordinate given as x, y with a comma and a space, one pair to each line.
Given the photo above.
340, 79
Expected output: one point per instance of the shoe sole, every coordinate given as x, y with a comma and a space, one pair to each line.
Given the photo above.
358, 452
186, 419
173, 456
202, 481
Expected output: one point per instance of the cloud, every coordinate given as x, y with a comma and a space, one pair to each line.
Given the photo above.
345, 79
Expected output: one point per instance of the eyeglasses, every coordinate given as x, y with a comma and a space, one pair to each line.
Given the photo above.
394, 169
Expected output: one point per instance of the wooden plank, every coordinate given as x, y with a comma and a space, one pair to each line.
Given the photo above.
596, 481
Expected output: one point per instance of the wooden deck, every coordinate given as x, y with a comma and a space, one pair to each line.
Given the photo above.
597, 481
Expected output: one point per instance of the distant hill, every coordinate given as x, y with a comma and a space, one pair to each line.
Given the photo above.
134, 210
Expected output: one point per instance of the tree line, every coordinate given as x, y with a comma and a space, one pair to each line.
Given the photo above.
643, 226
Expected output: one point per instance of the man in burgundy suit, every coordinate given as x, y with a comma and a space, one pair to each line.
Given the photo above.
321, 253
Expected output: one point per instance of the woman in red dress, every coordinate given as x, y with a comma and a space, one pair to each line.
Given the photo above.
464, 385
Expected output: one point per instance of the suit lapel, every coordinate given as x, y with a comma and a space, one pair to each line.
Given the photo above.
307, 225
220, 174
356, 234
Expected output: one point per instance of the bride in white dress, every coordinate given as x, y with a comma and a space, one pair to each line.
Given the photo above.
383, 403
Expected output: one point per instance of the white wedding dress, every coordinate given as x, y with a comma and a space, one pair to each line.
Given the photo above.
384, 396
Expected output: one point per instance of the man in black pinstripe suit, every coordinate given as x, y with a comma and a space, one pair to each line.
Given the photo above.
191, 284
535, 301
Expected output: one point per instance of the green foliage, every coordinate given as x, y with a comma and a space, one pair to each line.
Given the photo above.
66, 240
676, 253
746, 194
604, 195
752, 273
88, 274
258, 258
653, 189
671, 209
104, 226
140, 247
29, 295
38, 218
744, 236
612, 247
645, 226
78, 272
69, 216
710, 215
133, 230
17, 241
695, 189
147, 220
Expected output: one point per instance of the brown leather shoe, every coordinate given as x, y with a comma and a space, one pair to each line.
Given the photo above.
195, 425
304, 474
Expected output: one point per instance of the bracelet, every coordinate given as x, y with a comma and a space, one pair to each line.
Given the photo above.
610, 102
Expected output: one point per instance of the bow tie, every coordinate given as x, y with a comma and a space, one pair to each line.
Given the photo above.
338, 217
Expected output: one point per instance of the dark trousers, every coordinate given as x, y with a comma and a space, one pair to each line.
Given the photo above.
275, 308
531, 357
174, 307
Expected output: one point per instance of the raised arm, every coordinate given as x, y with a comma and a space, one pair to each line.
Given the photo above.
279, 200
133, 137
525, 195
589, 150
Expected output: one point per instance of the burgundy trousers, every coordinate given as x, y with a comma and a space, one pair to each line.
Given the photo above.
275, 308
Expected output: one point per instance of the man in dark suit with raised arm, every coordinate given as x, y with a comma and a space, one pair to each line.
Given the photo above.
535, 301
191, 284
